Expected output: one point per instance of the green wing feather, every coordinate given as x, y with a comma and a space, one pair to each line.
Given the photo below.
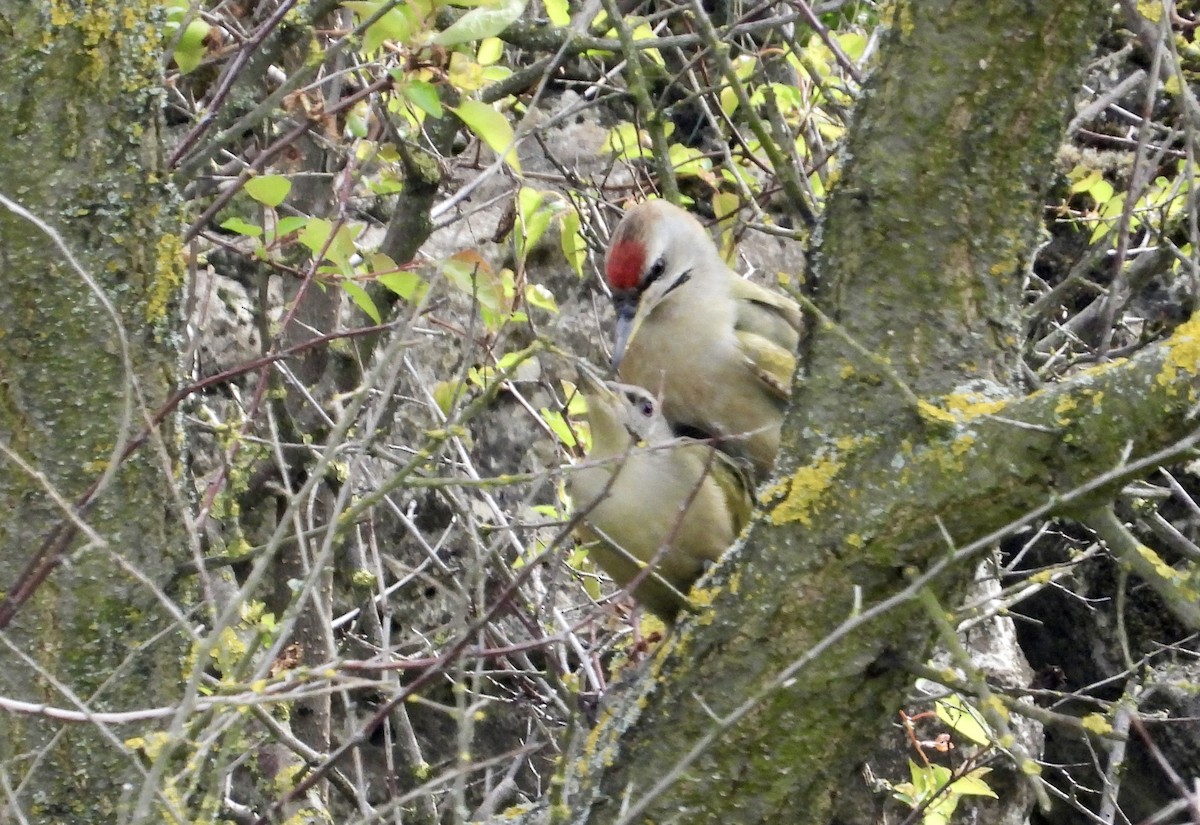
768, 314
733, 479
768, 329
771, 364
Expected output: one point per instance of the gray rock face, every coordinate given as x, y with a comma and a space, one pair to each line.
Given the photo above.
222, 318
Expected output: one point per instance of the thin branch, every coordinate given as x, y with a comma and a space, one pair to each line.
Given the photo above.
1167, 582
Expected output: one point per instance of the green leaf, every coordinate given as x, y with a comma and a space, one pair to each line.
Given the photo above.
937, 813
555, 421
385, 184
1086, 178
356, 122
269, 190
963, 719
408, 285
1110, 213
574, 246
558, 11
625, 141
853, 44
644, 31
288, 225
405, 283
1096, 723
1102, 191
424, 96
923, 777
787, 97
583, 432
688, 161
360, 297
508, 283
534, 218
342, 248
725, 207
494, 74
490, 51
242, 227
540, 297
509, 361
478, 23
481, 377
576, 403
446, 394
973, 784
491, 127
728, 100
190, 50
471, 274
535, 227
393, 26
381, 264
529, 200
465, 75
745, 67
316, 236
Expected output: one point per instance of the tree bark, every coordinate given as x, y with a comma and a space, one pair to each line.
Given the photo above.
86, 354
907, 447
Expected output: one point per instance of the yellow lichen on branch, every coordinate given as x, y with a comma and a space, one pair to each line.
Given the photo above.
1183, 355
168, 278
968, 405
804, 492
959, 407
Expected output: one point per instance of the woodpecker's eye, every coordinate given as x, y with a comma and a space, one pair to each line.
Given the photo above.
656, 271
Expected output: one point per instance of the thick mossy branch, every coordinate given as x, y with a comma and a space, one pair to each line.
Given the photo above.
927, 233
876, 517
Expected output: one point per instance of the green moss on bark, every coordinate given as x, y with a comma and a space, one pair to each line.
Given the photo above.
79, 148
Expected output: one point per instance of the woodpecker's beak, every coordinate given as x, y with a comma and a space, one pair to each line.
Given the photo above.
597, 391
603, 408
591, 383
626, 304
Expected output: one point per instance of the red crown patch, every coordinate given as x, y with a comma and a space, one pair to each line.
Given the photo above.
626, 262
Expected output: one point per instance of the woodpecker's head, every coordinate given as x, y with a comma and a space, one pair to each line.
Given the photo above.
655, 249
621, 416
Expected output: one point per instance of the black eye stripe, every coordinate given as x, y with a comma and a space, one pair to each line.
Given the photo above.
680, 281
656, 271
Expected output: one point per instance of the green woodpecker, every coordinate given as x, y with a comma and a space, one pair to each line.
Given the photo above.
651, 500
718, 349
